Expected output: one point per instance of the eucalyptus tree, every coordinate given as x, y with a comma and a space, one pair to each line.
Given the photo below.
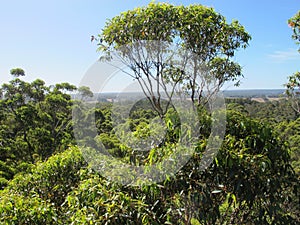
170, 49
35, 122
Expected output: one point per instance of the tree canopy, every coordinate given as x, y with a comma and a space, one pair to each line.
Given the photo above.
17, 72
249, 181
151, 40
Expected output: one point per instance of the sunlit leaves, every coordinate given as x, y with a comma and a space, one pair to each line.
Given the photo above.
35, 120
196, 28
294, 23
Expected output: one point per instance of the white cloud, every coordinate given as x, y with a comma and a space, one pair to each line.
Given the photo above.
280, 56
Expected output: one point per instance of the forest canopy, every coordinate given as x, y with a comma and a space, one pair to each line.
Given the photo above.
45, 177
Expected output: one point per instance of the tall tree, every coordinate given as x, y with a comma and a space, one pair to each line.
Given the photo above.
85, 92
174, 48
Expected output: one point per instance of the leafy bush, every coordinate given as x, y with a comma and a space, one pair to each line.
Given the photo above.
51, 180
18, 209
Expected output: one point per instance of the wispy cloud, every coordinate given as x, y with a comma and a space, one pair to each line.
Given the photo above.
281, 56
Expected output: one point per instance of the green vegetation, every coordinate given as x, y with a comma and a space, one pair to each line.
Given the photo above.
293, 84
35, 123
45, 178
211, 41
250, 181
280, 116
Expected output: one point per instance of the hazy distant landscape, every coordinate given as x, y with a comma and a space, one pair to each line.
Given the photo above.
253, 93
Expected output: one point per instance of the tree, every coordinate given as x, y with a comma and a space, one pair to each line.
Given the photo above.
293, 85
17, 72
85, 92
294, 22
170, 49
35, 122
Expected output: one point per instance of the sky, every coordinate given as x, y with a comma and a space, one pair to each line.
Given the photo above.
50, 40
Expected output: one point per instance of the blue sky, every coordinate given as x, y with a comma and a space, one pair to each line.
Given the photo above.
51, 39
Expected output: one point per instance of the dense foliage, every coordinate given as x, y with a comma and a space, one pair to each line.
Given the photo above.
45, 177
250, 181
35, 123
280, 115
